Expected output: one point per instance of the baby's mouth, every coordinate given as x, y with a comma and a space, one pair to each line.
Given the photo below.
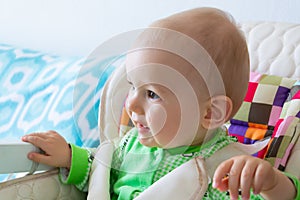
142, 129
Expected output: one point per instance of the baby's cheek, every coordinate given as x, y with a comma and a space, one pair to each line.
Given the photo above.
156, 117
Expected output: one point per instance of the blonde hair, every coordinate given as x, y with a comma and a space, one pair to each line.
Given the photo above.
219, 35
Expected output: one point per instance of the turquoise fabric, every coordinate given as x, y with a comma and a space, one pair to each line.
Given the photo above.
40, 92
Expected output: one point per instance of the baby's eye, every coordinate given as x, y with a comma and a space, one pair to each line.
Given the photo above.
152, 95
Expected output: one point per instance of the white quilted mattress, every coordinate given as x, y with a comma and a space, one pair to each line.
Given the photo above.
274, 48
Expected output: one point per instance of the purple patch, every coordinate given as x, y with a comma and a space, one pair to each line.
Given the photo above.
237, 130
238, 122
249, 141
281, 96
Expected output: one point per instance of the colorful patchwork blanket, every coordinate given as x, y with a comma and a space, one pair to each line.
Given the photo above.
271, 109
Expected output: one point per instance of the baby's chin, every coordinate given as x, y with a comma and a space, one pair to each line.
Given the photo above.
148, 142
151, 142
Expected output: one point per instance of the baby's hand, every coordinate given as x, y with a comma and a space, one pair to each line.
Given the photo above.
57, 150
244, 172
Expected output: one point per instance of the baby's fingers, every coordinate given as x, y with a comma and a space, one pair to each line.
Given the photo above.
37, 139
246, 179
234, 177
40, 158
220, 181
264, 178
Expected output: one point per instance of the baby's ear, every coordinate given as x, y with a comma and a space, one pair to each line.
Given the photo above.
217, 112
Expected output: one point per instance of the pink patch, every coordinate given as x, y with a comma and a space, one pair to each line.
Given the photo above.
255, 76
274, 116
277, 162
287, 154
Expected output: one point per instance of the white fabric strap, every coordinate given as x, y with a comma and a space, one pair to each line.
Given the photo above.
99, 178
13, 156
189, 182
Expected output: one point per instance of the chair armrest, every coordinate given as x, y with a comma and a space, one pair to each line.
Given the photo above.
14, 158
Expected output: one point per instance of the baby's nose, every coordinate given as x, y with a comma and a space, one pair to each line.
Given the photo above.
134, 105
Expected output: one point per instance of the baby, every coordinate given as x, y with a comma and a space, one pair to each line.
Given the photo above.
188, 75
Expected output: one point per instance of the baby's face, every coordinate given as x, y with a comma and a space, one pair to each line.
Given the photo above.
159, 97
155, 112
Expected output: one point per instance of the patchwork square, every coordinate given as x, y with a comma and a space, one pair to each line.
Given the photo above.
281, 96
272, 151
270, 80
237, 130
238, 122
251, 91
291, 109
243, 114
260, 113
274, 115
255, 133
265, 94
289, 83
262, 126
255, 77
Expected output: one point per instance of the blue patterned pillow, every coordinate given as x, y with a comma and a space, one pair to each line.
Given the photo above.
41, 92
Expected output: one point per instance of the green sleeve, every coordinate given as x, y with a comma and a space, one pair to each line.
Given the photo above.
296, 182
78, 173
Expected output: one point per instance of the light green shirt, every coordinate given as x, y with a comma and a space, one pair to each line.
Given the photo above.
135, 167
